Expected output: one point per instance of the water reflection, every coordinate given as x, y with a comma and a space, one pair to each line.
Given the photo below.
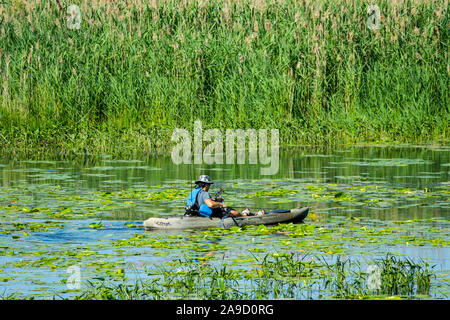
412, 167
417, 168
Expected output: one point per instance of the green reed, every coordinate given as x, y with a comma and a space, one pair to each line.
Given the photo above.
404, 276
134, 72
397, 277
286, 276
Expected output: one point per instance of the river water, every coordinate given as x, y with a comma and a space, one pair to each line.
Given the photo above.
88, 213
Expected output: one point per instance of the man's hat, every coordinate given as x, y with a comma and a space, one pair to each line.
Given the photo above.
204, 179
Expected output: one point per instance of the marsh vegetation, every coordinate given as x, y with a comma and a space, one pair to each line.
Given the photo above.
135, 71
372, 210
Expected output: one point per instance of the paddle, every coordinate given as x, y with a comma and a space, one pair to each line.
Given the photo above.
228, 210
218, 193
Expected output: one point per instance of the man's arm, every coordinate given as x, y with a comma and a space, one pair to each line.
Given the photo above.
213, 204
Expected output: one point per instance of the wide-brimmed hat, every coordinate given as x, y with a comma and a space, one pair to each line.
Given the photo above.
204, 179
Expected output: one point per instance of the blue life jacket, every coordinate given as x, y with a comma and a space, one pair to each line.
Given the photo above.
192, 199
204, 210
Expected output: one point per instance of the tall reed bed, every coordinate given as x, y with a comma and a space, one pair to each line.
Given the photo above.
136, 70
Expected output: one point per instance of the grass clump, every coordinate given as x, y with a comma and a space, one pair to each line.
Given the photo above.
275, 276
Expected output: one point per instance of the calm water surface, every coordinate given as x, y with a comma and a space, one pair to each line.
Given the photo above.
58, 213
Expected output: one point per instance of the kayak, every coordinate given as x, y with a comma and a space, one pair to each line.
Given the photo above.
196, 222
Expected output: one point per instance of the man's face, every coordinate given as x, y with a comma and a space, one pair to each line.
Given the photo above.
206, 188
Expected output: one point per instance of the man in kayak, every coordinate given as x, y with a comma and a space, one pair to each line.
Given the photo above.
201, 200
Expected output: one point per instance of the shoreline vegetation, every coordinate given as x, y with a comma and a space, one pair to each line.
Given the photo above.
134, 72
285, 276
